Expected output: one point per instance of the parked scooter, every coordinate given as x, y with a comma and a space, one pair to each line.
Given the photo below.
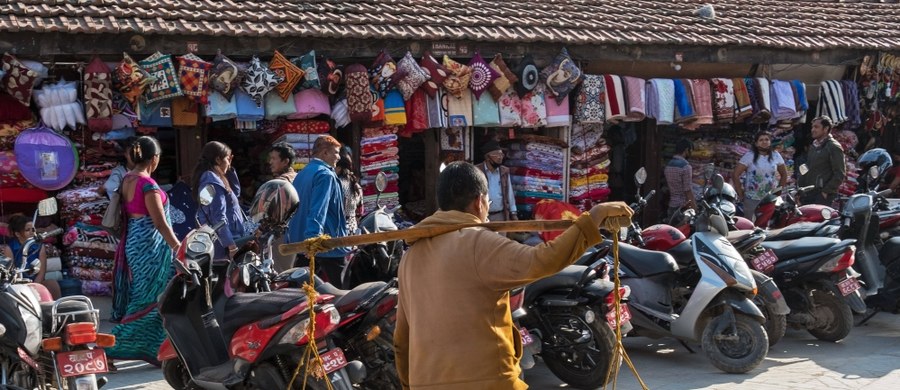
221, 339
716, 309
45, 343
378, 261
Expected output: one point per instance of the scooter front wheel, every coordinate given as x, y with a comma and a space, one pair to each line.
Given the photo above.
582, 362
735, 349
833, 315
177, 376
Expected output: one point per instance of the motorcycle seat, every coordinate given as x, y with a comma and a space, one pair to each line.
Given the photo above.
646, 263
244, 308
793, 232
683, 253
800, 247
566, 278
347, 300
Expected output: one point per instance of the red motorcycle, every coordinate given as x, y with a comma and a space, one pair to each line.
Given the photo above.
778, 210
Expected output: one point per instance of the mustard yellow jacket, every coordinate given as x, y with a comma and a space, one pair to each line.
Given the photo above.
454, 328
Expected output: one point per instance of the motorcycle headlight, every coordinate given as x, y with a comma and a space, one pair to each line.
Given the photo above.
826, 213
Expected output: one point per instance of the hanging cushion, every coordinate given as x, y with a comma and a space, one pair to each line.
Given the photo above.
458, 78
46, 159
528, 75
289, 73
98, 95
413, 76
156, 114
184, 111
132, 79
359, 99
509, 108
193, 75
225, 77
589, 108
459, 109
310, 103
562, 76
376, 106
532, 109
258, 81
435, 72
557, 112
483, 75
383, 72
275, 107
416, 113
167, 84
330, 76
18, 80
394, 108
504, 81
307, 64
247, 107
486, 112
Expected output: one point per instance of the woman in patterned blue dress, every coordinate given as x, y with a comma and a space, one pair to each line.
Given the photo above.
149, 247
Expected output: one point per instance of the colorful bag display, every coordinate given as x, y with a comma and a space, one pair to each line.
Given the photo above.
166, 84
46, 159
225, 77
98, 95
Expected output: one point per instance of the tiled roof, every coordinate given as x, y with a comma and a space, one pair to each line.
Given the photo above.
805, 25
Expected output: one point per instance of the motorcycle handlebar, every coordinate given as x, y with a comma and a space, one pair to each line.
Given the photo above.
54, 232
218, 225
885, 193
806, 189
648, 196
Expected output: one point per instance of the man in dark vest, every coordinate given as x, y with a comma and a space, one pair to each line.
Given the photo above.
500, 191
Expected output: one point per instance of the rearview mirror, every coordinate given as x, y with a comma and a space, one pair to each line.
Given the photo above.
873, 172
380, 181
640, 177
803, 169
710, 169
718, 182
206, 195
47, 207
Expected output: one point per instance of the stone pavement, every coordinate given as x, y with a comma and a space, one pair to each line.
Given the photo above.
869, 358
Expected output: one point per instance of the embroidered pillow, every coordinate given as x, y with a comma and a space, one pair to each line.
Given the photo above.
359, 99
383, 72
414, 76
307, 64
166, 85
225, 77
193, 74
98, 95
275, 107
132, 79
483, 76
435, 73
562, 76
259, 81
19, 80
458, 79
527, 73
330, 76
506, 79
289, 73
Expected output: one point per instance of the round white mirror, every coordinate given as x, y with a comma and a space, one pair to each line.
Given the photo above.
640, 176
206, 195
803, 169
380, 181
873, 172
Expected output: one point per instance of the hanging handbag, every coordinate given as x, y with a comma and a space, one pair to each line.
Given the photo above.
112, 218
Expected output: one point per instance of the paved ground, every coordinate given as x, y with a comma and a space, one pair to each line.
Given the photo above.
869, 358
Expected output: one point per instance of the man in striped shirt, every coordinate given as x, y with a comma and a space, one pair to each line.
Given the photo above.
679, 177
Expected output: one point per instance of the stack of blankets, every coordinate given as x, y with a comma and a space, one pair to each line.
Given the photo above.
379, 152
589, 172
13, 186
90, 250
300, 135
536, 164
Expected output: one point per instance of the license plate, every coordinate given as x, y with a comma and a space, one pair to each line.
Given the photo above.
333, 360
765, 262
624, 315
848, 286
84, 362
526, 336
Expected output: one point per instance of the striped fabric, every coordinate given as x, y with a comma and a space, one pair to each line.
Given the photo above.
614, 105
831, 101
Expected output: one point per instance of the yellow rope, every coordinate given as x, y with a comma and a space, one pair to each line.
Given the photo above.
612, 225
311, 358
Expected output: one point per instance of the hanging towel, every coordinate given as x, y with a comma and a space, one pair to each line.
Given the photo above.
486, 112
614, 105
799, 89
783, 105
589, 106
416, 113
557, 113
459, 109
723, 99
743, 108
702, 94
851, 103
509, 108
661, 100
764, 104
684, 110
831, 101
394, 108
636, 95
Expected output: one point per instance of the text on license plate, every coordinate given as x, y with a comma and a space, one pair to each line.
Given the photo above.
82, 362
333, 360
526, 336
765, 262
624, 315
848, 286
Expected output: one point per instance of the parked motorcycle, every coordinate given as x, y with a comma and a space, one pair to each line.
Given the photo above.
218, 338
379, 261
45, 343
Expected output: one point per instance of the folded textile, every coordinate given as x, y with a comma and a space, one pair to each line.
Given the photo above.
537, 146
614, 98
661, 101
802, 102
537, 155
723, 100
534, 165
379, 147
297, 137
536, 194
534, 181
96, 288
764, 104
537, 173
684, 101
586, 180
589, 107
374, 132
636, 95
377, 139
782, 100
743, 107
380, 165
702, 99
831, 101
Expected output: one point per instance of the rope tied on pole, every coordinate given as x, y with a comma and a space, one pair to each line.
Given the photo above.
311, 359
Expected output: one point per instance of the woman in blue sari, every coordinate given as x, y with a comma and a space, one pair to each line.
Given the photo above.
149, 247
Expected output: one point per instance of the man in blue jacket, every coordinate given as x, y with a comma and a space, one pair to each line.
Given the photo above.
321, 209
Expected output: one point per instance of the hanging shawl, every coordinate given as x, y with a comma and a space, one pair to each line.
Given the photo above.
782, 98
831, 101
851, 103
636, 95
684, 101
702, 98
589, 108
764, 105
723, 99
743, 108
661, 101
615, 98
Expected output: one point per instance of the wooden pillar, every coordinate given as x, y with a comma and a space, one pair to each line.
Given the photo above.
652, 157
189, 143
432, 142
